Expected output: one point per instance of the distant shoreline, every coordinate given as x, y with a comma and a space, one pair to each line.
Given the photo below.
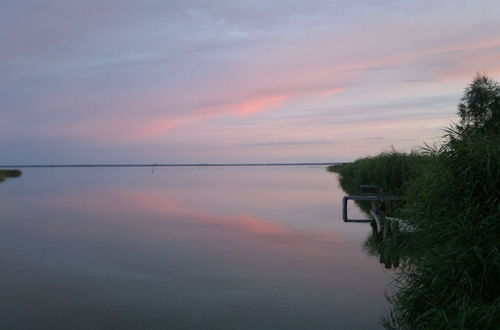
10, 173
173, 165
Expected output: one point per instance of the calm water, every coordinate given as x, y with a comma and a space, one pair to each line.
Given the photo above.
184, 248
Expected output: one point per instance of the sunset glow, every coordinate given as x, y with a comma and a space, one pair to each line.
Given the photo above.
190, 82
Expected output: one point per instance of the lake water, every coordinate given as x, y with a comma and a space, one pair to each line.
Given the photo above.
184, 248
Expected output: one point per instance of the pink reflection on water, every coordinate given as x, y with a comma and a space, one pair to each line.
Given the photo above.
247, 237
140, 207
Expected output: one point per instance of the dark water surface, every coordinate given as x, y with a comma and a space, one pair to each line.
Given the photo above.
183, 248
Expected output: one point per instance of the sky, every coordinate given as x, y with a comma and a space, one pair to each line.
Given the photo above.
106, 81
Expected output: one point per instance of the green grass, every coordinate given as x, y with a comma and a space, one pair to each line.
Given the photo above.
392, 171
452, 272
389, 170
449, 267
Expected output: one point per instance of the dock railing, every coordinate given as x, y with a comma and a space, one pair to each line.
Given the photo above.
381, 205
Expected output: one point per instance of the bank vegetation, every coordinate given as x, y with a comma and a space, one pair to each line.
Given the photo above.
449, 273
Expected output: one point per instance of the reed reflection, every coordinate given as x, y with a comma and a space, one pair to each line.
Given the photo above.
386, 246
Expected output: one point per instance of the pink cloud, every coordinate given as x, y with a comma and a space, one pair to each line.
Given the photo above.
154, 126
157, 127
331, 92
262, 104
142, 120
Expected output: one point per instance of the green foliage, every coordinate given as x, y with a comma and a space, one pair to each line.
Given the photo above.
9, 174
450, 264
480, 106
451, 273
392, 171
451, 278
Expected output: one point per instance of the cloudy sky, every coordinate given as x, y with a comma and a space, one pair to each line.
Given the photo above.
107, 81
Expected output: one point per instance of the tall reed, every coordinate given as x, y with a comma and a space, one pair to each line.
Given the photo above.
449, 274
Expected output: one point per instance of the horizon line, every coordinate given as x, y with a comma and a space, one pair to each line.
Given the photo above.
172, 165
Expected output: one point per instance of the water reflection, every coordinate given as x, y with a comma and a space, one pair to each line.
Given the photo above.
385, 245
242, 248
385, 239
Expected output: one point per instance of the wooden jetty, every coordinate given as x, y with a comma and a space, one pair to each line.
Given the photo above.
380, 208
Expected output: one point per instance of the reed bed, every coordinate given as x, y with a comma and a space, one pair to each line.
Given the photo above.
449, 266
